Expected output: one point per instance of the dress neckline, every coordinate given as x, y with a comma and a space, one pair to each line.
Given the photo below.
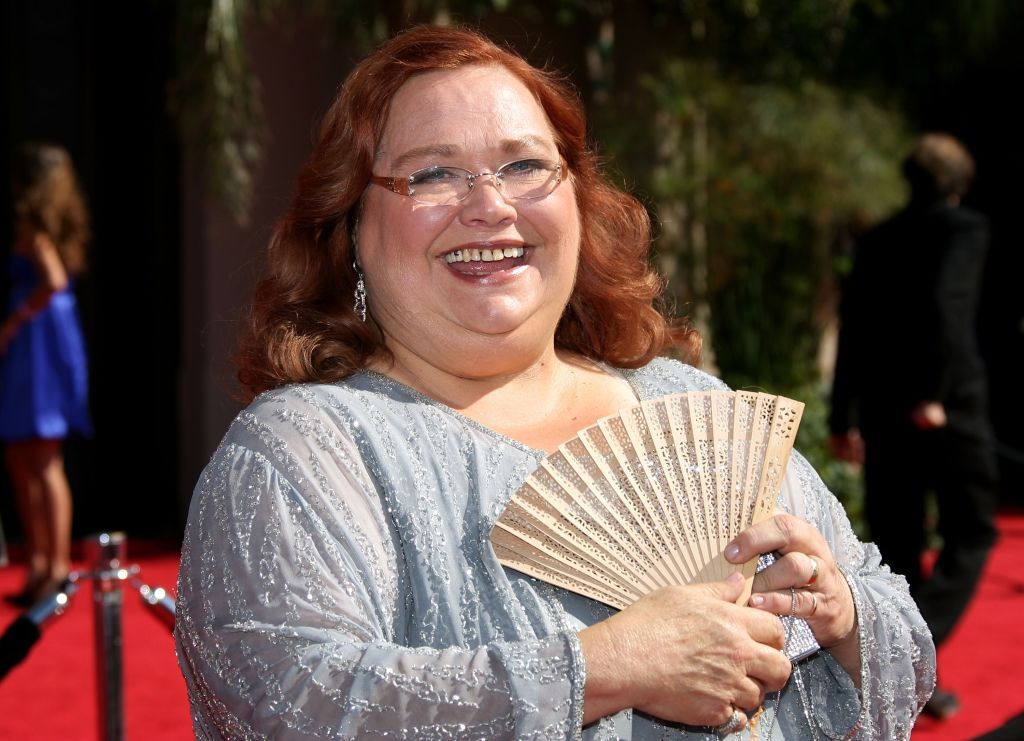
386, 380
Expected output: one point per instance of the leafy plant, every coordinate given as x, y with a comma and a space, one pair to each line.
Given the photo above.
216, 97
769, 176
843, 479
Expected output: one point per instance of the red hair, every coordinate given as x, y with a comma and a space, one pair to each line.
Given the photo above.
302, 326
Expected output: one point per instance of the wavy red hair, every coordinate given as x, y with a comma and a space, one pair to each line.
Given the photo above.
302, 326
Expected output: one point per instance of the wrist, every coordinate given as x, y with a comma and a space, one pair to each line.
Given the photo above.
846, 650
607, 683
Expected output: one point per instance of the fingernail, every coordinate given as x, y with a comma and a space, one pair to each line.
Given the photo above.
732, 551
734, 577
757, 600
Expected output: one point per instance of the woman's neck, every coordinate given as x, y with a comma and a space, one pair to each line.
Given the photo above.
464, 384
540, 403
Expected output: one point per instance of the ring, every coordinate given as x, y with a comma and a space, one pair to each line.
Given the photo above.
814, 572
735, 723
814, 604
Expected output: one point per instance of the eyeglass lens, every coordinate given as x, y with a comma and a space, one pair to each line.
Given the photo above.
520, 179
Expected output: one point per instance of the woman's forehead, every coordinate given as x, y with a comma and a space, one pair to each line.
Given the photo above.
462, 111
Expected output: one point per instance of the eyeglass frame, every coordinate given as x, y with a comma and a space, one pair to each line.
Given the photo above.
403, 185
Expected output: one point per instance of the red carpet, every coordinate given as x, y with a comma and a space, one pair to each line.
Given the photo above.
981, 663
52, 694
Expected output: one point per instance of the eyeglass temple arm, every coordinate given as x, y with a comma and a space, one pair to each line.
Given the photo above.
395, 185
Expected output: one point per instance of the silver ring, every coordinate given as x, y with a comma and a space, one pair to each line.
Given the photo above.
814, 604
735, 723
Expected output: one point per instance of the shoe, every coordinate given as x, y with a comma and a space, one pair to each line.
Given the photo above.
36, 590
27, 596
942, 705
19, 599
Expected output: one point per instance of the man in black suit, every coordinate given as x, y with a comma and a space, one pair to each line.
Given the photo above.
909, 395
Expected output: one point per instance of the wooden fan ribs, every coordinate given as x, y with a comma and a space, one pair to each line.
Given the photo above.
593, 460
674, 456
627, 491
562, 528
647, 465
722, 408
651, 496
696, 459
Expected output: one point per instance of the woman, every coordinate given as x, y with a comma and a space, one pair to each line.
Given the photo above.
453, 293
43, 382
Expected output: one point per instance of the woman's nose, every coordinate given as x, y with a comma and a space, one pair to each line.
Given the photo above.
486, 202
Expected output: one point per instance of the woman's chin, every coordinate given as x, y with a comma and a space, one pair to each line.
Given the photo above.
497, 328
512, 326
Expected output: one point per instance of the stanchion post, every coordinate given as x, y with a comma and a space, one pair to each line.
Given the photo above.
106, 554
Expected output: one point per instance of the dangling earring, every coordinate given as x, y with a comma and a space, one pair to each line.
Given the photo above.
360, 305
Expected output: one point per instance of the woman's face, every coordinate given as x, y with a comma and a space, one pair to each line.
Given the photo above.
459, 314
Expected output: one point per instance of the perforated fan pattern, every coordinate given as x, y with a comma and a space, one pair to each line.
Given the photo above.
651, 496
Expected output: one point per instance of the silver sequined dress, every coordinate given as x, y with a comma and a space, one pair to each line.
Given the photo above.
337, 582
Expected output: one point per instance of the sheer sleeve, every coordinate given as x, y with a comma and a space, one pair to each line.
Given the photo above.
897, 653
290, 611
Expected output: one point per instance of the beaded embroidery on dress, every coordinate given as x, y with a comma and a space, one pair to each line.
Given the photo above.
337, 581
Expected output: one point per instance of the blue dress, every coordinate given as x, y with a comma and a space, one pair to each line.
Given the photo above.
43, 374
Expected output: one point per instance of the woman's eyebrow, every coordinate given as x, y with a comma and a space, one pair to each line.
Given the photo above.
530, 141
419, 153
438, 151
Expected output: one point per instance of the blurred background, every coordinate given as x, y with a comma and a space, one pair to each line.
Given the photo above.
763, 135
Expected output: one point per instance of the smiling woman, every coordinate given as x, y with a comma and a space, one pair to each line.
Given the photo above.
446, 321
302, 326
454, 292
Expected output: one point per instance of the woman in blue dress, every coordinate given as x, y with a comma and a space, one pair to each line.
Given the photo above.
43, 378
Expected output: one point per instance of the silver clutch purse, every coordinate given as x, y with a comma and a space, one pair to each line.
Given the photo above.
800, 641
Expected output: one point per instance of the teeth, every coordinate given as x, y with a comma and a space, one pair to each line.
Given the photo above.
474, 255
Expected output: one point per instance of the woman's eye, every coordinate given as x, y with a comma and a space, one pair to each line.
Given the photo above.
434, 176
523, 168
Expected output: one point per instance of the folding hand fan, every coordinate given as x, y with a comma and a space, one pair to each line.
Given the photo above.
651, 496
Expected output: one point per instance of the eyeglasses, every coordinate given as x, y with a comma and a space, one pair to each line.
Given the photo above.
441, 186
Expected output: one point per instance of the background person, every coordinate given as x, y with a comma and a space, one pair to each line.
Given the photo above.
454, 292
43, 372
909, 396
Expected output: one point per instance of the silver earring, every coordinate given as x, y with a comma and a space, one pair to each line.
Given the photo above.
360, 305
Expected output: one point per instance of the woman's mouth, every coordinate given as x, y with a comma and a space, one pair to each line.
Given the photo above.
483, 255
482, 261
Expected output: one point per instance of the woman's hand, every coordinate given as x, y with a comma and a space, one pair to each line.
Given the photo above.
805, 564
685, 654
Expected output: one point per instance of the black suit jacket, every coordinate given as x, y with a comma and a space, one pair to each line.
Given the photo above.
907, 320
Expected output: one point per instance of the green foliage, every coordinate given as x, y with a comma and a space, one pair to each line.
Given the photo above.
843, 479
217, 98
773, 173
